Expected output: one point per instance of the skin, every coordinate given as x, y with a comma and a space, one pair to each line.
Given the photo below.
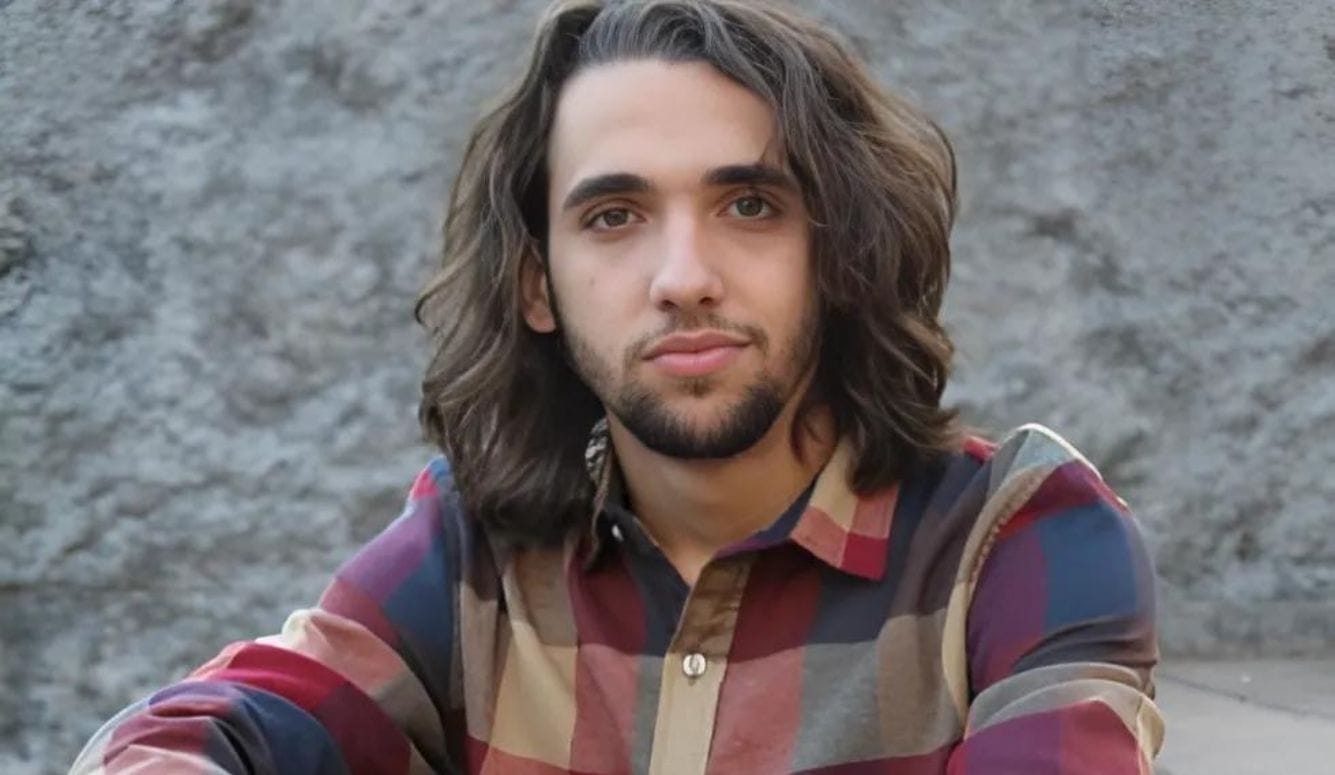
710, 234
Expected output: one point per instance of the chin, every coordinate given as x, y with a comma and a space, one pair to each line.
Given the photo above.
697, 391
702, 406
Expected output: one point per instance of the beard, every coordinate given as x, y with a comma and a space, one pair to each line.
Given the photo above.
648, 416
744, 423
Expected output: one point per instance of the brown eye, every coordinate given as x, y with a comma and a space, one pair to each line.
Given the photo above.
751, 207
611, 219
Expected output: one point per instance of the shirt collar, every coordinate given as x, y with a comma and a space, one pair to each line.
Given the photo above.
848, 532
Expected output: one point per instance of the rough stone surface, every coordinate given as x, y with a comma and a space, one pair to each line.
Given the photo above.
214, 216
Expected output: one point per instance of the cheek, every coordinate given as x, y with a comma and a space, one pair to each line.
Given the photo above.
786, 292
592, 310
793, 322
606, 288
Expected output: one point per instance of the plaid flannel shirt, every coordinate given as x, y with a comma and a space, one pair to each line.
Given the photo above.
992, 613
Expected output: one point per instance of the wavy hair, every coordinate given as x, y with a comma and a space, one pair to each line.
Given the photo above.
877, 177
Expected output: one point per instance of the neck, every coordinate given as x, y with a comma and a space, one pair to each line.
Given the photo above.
694, 508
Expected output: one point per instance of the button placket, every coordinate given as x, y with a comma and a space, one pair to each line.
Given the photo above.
688, 700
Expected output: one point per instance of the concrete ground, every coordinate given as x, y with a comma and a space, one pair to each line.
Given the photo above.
1254, 717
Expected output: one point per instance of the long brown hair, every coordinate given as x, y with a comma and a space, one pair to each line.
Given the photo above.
878, 178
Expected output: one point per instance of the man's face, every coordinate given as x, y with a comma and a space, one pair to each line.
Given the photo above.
679, 256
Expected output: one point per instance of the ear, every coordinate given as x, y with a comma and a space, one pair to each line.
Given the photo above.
535, 297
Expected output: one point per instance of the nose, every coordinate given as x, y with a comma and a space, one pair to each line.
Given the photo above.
685, 277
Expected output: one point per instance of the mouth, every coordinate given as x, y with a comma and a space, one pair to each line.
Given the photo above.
695, 354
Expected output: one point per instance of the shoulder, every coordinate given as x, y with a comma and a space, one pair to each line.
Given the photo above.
1056, 568
1031, 481
1041, 507
1031, 466
417, 559
432, 515
986, 480
1030, 446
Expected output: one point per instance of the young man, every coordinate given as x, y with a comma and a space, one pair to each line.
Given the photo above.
702, 510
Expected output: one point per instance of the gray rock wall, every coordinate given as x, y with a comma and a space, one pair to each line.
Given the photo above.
214, 217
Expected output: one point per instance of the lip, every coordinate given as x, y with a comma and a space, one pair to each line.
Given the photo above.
695, 354
695, 342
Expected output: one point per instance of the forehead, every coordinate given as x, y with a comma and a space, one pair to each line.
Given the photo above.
662, 120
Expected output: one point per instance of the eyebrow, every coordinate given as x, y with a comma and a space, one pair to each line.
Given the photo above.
613, 183
597, 186
758, 174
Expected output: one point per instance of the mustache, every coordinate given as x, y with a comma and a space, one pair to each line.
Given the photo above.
697, 322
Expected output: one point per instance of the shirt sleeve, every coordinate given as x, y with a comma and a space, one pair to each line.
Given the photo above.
357, 684
1061, 638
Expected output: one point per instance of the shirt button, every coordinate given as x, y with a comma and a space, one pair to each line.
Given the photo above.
694, 664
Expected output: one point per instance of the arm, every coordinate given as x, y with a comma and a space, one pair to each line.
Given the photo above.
354, 685
1061, 635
